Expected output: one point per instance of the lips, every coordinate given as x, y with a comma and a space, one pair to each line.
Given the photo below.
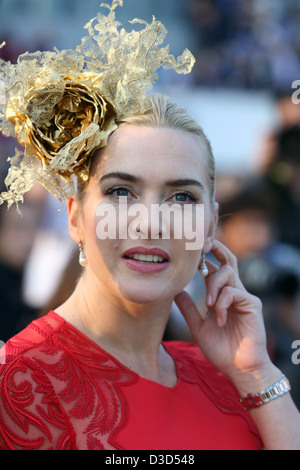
143, 254
146, 260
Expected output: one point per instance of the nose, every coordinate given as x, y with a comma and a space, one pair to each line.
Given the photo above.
156, 220
147, 222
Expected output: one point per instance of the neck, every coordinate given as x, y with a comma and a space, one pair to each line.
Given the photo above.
130, 332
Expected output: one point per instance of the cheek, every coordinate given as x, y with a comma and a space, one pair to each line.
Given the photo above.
97, 245
187, 264
188, 255
195, 227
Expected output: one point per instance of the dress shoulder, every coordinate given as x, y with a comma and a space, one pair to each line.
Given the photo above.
31, 415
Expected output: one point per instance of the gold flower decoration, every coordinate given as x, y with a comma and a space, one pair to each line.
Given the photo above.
77, 115
63, 105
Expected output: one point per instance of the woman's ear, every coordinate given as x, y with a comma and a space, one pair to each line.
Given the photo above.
212, 229
74, 220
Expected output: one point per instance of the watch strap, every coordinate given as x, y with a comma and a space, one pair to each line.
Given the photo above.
254, 400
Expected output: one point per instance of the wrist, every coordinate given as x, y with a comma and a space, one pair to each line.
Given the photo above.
255, 380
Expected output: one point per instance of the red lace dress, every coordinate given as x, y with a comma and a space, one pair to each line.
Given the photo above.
60, 390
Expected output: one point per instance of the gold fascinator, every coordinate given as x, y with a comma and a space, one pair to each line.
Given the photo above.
63, 105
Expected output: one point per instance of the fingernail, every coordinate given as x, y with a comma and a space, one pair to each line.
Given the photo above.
209, 300
219, 322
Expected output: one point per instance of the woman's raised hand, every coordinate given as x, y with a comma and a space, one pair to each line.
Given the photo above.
231, 334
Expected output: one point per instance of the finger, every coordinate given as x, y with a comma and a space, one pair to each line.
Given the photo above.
225, 276
229, 296
190, 312
224, 255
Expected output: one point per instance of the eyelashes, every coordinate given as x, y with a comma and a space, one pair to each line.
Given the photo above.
124, 191
118, 191
184, 194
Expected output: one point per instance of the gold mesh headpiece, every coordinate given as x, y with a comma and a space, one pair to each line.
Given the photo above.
63, 105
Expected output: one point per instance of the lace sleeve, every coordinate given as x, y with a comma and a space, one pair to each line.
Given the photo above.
31, 416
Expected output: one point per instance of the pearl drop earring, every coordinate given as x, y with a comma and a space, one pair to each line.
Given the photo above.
82, 258
203, 269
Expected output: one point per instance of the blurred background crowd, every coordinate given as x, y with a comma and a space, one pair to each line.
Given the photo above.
248, 56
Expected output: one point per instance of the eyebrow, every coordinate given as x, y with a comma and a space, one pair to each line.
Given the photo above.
122, 176
136, 179
184, 182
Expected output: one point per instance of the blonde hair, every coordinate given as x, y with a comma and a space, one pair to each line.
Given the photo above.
164, 112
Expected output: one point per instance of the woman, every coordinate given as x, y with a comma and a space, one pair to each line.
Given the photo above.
94, 373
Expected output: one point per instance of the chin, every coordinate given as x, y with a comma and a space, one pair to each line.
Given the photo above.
143, 294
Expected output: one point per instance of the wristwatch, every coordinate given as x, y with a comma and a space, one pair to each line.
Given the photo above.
254, 400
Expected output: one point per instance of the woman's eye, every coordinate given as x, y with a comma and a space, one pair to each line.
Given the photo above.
184, 197
119, 191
